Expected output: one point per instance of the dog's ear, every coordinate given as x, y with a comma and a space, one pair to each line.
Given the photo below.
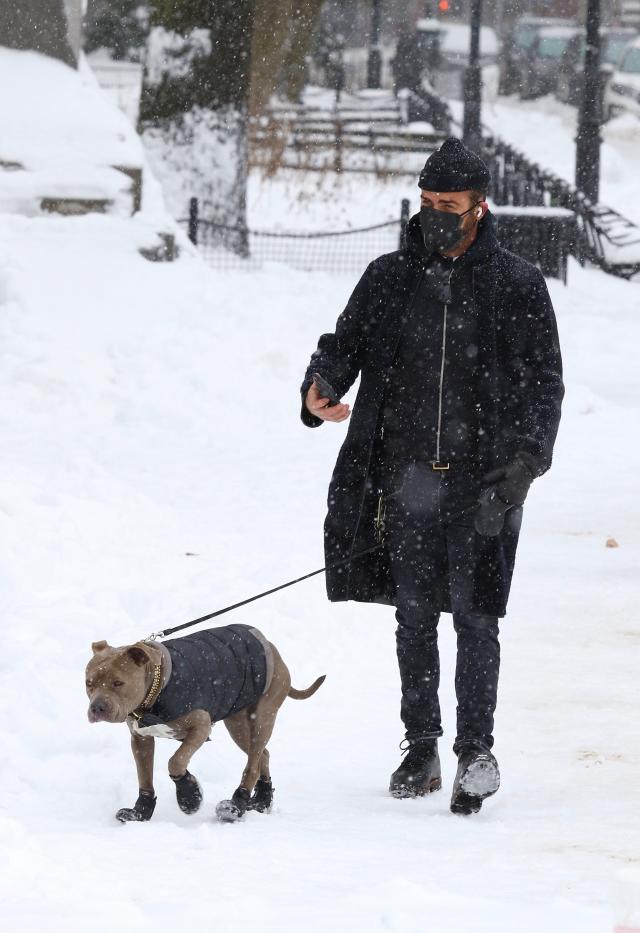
98, 646
138, 655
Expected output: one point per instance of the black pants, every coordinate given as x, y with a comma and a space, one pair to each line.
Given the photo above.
430, 548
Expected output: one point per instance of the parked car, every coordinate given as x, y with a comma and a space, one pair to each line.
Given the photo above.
449, 42
542, 59
516, 44
571, 70
622, 93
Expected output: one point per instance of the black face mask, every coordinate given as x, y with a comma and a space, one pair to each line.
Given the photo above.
441, 230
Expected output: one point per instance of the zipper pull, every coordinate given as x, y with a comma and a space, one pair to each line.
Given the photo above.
380, 529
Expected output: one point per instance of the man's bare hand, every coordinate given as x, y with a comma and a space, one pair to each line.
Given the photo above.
320, 407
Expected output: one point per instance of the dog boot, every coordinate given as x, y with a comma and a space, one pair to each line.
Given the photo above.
419, 773
230, 811
477, 778
188, 792
262, 797
141, 811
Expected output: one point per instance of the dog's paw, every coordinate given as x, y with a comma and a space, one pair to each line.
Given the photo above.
141, 811
188, 793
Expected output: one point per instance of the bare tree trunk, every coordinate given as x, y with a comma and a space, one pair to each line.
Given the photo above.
38, 26
282, 37
194, 109
301, 34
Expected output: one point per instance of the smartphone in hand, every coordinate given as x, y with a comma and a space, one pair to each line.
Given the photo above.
325, 389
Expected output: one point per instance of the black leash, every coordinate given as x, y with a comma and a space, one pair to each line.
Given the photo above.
283, 586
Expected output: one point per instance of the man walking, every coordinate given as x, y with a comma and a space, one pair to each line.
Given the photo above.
457, 412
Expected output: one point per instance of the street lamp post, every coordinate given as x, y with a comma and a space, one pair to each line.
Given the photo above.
588, 139
471, 126
374, 61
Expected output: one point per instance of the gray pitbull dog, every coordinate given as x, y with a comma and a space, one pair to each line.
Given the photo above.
177, 689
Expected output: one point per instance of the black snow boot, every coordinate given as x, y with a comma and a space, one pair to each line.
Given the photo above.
141, 811
188, 792
230, 811
262, 797
477, 778
419, 773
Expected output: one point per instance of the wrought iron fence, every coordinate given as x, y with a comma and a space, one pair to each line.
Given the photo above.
602, 235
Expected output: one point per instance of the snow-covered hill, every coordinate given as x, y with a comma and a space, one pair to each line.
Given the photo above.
153, 469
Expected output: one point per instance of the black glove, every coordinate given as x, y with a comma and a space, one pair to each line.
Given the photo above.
512, 481
506, 487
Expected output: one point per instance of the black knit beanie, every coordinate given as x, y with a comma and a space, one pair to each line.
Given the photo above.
453, 167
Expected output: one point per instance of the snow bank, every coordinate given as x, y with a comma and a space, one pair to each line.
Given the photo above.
62, 136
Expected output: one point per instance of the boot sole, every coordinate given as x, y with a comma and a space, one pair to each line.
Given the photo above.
403, 791
481, 779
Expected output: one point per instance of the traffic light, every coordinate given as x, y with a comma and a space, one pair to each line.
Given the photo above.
442, 9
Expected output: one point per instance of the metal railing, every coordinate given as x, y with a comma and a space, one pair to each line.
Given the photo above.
602, 235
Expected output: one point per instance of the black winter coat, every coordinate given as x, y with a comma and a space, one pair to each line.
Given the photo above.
518, 374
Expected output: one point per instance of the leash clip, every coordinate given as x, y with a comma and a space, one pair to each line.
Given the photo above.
154, 636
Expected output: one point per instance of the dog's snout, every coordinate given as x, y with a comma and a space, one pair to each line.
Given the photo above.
98, 709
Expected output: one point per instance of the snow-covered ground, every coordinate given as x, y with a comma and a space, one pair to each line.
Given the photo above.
295, 201
153, 469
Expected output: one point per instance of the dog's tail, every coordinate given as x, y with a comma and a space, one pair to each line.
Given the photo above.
305, 694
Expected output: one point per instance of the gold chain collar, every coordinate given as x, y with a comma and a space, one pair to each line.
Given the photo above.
152, 695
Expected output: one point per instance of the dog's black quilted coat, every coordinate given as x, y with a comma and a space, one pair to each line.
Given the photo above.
221, 670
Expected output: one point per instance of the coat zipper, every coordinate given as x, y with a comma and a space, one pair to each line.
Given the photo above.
381, 510
442, 362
